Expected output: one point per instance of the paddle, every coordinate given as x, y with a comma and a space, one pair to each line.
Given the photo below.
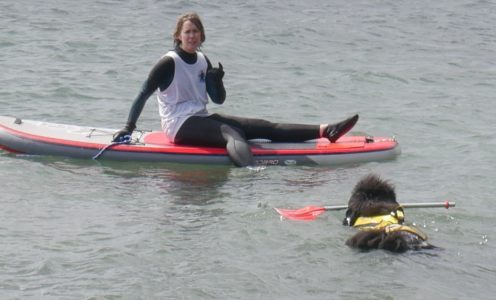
311, 212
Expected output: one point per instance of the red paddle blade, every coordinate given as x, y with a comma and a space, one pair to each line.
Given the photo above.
306, 214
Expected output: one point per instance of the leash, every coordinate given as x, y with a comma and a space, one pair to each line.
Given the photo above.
123, 140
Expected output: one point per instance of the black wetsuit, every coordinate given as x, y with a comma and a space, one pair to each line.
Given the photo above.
217, 129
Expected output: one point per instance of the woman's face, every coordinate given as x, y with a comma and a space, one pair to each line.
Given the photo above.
190, 37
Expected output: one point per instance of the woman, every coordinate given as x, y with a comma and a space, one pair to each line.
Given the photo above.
183, 78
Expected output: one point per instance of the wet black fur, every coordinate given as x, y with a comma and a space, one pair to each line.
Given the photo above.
373, 196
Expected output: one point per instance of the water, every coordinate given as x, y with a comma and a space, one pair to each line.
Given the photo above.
422, 71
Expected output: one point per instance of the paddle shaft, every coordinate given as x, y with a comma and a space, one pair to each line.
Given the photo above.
446, 204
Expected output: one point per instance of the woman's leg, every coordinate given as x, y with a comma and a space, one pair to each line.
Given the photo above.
232, 132
276, 132
285, 132
204, 131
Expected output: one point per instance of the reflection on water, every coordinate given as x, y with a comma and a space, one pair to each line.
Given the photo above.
183, 183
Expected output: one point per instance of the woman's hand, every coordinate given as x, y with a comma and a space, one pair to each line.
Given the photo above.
123, 134
217, 73
215, 86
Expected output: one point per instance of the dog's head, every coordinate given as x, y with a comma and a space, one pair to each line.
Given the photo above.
371, 196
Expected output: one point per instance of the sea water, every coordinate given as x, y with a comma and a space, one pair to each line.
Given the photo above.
421, 71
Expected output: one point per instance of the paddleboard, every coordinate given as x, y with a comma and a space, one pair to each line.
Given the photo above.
53, 139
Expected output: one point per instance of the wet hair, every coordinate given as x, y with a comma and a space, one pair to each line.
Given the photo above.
193, 18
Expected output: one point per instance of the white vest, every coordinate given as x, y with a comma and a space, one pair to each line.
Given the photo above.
186, 95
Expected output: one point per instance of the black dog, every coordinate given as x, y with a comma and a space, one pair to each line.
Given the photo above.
373, 210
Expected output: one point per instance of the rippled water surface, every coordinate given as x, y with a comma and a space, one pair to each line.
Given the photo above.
421, 71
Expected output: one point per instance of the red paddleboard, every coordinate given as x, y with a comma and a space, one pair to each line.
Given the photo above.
44, 138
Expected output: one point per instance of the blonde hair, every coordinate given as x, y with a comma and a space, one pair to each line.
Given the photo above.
193, 18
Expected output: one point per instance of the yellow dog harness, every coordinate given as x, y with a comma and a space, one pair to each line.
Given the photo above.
389, 223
